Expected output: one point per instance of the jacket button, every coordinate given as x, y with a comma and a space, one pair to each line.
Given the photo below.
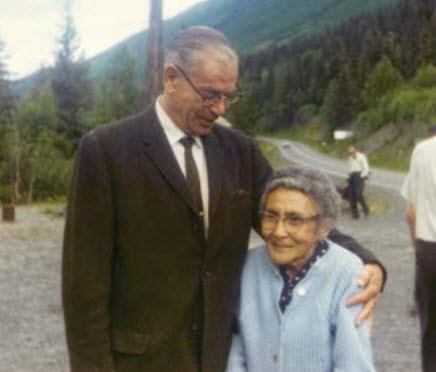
194, 327
207, 274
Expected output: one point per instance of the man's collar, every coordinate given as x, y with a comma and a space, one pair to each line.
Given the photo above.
172, 131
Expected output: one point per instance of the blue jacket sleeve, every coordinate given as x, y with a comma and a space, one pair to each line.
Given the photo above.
237, 362
352, 345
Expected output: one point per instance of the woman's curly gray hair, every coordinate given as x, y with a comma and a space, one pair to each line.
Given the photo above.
311, 182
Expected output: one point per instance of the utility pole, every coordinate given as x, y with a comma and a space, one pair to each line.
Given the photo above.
154, 64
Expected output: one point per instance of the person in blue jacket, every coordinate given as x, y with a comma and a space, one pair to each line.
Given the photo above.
293, 314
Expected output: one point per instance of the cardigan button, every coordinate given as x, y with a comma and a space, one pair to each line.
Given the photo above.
301, 291
275, 357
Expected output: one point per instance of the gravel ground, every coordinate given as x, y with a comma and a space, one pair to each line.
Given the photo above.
395, 337
31, 323
31, 326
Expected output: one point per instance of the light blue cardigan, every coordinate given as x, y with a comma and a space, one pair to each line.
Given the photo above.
316, 333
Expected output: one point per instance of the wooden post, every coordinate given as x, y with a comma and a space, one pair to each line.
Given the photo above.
8, 212
153, 73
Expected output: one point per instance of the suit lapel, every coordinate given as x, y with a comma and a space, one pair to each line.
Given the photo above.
157, 149
215, 158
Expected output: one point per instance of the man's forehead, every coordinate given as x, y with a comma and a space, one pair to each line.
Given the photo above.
216, 68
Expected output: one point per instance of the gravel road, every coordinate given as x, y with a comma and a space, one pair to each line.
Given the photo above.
31, 326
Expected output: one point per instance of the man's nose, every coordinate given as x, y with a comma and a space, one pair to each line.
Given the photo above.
219, 107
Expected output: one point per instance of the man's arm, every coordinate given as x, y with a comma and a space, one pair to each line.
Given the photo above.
87, 262
411, 221
365, 166
262, 172
373, 276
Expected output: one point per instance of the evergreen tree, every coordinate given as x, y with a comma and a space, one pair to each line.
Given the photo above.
70, 83
36, 120
118, 95
383, 77
348, 94
428, 44
331, 109
6, 97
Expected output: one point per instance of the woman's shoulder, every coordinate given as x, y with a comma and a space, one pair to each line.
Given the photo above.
256, 256
342, 261
257, 261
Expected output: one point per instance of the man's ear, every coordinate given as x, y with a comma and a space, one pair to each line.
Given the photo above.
170, 79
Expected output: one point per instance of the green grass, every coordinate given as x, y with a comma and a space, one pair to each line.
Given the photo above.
273, 155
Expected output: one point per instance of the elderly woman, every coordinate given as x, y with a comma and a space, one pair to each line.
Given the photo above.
293, 315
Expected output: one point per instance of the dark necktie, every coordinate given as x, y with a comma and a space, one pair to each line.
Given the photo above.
192, 174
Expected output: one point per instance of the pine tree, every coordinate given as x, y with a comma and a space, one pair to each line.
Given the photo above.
383, 78
331, 109
118, 95
70, 83
6, 97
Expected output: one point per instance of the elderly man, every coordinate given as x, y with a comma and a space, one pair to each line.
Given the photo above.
419, 189
158, 224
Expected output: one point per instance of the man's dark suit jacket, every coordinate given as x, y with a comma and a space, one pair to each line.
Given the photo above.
143, 290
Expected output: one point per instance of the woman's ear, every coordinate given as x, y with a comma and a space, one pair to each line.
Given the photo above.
324, 230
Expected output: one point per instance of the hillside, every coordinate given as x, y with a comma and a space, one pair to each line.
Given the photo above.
250, 24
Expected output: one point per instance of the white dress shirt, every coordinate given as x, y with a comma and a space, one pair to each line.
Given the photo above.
419, 188
359, 164
174, 134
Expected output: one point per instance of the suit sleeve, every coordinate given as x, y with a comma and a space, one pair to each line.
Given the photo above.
262, 172
352, 245
87, 261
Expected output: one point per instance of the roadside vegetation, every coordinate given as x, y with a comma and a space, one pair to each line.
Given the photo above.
373, 74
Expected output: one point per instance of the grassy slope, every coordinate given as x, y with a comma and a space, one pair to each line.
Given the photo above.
394, 154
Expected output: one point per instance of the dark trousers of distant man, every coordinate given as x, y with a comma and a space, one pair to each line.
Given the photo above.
356, 186
426, 300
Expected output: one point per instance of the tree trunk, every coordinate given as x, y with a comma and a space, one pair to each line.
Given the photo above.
31, 183
16, 177
153, 73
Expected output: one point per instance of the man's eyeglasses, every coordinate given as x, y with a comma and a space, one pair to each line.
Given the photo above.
210, 96
291, 222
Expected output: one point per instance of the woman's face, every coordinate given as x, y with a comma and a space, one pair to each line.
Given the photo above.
292, 239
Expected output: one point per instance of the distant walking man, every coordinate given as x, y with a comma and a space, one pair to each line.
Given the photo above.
419, 189
359, 170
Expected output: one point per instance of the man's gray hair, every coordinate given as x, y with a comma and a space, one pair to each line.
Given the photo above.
311, 182
194, 43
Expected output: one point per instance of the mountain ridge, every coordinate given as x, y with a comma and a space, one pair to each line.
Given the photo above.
251, 25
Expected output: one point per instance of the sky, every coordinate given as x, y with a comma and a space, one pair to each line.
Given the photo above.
30, 28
